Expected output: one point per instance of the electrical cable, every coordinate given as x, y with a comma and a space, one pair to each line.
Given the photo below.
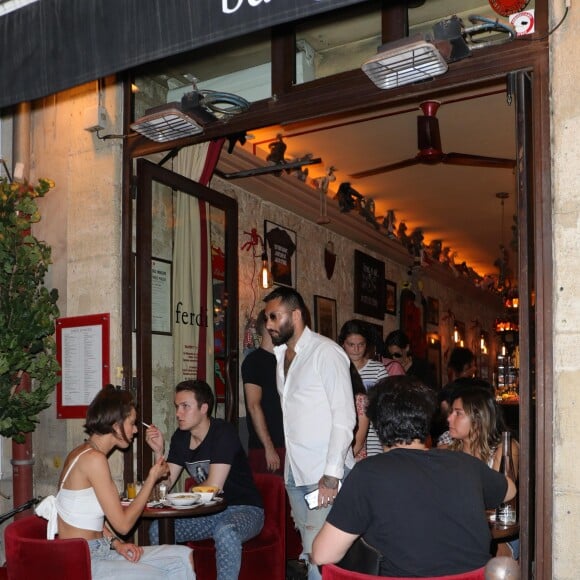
550, 32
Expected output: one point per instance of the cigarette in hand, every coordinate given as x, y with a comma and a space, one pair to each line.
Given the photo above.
146, 424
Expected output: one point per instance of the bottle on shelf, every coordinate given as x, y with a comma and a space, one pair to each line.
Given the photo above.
506, 513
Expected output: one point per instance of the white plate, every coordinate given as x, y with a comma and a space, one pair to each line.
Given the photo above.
183, 507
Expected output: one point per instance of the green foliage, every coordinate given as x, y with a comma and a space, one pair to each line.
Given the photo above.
28, 311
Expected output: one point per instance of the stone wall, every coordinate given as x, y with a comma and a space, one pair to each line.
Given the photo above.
81, 220
565, 50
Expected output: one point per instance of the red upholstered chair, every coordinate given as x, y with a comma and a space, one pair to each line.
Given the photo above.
30, 555
332, 572
263, 557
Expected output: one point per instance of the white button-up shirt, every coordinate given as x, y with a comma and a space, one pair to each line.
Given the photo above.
318, 408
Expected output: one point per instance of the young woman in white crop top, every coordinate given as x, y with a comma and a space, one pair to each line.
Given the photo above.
88, 496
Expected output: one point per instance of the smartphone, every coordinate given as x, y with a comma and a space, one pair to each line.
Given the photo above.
311, 498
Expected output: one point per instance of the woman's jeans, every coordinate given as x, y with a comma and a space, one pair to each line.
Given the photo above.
156, 562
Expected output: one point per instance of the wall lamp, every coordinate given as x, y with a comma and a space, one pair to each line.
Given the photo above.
265, 279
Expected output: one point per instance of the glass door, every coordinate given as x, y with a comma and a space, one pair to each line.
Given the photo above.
186, 315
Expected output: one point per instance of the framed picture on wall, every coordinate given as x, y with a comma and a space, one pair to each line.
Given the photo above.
280, 244
369, 285
390, 298
325, 316
432, 310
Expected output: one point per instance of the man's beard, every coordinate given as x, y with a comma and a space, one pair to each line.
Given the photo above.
285, 333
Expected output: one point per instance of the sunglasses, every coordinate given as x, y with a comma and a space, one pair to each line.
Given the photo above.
275, 315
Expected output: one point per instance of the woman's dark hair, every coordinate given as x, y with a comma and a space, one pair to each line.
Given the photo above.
110, 407
396, 338
201, 391
358, 387
354, 326
401, 409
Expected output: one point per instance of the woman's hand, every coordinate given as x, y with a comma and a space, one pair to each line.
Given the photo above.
129, 551
159, 470
154, 439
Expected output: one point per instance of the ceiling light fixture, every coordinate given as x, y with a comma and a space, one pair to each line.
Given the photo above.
404, 62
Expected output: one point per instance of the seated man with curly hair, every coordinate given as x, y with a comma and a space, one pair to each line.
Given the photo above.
399, 501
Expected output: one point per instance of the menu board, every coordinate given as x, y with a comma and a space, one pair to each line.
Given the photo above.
82, 347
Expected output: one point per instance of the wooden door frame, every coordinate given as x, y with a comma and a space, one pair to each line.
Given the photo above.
352, 91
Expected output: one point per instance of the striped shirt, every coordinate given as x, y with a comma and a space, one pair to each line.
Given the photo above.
370, 374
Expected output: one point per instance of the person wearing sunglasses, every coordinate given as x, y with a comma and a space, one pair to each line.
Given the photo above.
398, 348
318, 412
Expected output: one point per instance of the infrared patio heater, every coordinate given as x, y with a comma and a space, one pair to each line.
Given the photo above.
424, 56
179, 120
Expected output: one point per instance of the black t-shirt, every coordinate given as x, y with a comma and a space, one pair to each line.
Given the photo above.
259, 368
221, 445
282, 249
423, 510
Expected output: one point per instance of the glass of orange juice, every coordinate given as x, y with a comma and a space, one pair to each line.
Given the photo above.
131, 490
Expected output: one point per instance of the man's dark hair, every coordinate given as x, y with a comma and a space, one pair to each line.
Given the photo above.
261, 323
291, 299
396, 338
110, 407
400, 409
459, 358
201, 391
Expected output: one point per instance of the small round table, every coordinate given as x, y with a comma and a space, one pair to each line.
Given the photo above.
167, 514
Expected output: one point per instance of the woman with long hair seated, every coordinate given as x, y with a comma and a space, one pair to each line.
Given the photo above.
475, 426
88, 506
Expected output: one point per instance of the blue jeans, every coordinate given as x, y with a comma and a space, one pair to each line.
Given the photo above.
156, 562
229, 529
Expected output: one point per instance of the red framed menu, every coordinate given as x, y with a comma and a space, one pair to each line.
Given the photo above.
82, 350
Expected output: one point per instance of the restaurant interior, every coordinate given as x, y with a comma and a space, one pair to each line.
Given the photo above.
428, 182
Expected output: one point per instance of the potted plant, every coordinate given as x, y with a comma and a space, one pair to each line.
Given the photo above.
27, 311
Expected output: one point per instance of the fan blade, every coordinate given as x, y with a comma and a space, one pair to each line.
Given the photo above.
478, 161
386, 168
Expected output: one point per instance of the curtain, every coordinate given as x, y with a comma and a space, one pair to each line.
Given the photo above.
193, 336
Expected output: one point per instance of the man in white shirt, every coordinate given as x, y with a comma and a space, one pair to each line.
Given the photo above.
313, 380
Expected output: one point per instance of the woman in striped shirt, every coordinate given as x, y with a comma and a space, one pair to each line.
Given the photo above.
354, 337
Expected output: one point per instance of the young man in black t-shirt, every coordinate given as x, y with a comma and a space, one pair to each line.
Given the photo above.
211, 451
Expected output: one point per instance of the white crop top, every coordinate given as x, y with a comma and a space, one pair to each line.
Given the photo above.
77, 507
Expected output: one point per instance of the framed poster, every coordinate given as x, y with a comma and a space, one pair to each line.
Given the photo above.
82, 351
369, 285
390, 298
160, 296
325, 317
281, 248
432, 311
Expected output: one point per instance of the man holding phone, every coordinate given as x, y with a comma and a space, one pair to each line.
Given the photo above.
313, 380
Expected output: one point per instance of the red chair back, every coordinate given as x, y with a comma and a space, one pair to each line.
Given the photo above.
30, 555
332, 572
263, 557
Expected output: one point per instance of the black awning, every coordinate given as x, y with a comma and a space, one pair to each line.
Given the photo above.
52, 45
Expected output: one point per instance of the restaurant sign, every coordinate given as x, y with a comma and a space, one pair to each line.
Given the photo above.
51, 45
